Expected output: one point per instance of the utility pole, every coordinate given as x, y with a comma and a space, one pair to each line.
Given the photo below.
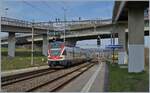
32, 49
64, 23
48, 31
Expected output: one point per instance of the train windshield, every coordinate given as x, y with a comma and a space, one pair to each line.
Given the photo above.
56, 44
55, 52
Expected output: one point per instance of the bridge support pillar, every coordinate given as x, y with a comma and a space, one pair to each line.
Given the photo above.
11, 44
121, 39
136, 38
45, 45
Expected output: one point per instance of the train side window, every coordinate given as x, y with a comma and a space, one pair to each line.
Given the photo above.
64, 53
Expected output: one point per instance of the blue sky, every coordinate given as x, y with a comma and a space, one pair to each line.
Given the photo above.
44, 10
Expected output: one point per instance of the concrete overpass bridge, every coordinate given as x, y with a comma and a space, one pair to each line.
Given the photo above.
21, 26
78, 36
75, 31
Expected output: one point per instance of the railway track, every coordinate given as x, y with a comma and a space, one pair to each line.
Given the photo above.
59, 82
46, 81
24, 76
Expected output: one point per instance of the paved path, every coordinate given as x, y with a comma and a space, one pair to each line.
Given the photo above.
93, 80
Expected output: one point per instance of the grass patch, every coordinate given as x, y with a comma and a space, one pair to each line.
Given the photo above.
122, 81
21, 60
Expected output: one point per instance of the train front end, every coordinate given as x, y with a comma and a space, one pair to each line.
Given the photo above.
55, 56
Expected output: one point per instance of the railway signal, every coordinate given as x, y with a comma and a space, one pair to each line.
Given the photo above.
98, 41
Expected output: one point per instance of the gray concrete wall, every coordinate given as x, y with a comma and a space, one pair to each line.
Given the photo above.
136, 39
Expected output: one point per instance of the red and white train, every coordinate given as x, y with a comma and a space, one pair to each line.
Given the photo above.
61, 55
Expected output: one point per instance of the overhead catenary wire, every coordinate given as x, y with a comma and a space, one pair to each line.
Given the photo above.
64, 4
37, 9
52, 9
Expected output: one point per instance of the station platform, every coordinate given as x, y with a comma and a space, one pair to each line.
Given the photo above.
93, 80
19, 71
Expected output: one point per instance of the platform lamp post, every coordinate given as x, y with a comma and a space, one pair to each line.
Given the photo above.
32, 49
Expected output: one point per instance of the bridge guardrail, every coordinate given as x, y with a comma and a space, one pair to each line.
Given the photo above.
48, 25
15, 22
